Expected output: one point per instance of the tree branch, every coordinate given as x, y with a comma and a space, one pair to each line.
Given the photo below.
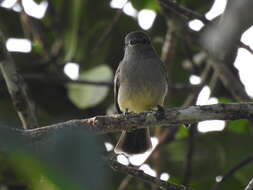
225, 74
133, 171
189, 156
182, 12
229, 80
108, 30
230, 172
131, 121
188, 14
17, 88
52, 79
250, 185
124, 183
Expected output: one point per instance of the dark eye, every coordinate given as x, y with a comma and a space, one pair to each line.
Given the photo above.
132, 42
139, 41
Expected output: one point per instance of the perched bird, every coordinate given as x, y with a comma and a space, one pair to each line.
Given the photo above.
140, 84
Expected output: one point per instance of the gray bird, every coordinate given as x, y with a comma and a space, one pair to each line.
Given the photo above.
140, 84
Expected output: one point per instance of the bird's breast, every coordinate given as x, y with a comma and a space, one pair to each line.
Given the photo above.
142, 93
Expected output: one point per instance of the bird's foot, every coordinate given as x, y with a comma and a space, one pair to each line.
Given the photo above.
126, 111
191, 125
160, 113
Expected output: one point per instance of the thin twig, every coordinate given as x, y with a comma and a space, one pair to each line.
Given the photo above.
189, 155
17, 88
108, 30
63, 80
52, 79
135, 172
242, 45
250, 185
228, 80
182, 11
168, 45
191, 100
169, 135
52, 13
33, 27
231, 172
166, 57
124, 183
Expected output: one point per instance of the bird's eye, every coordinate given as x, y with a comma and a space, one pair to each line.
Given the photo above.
139, 41
132, 42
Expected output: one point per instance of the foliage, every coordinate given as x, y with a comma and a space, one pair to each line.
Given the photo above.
70, 31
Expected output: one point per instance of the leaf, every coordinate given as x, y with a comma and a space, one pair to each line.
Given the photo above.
224, 100
84, 96
65, 164
239, 126
182, 132
71, 35
145, 4
37, 47
198, 5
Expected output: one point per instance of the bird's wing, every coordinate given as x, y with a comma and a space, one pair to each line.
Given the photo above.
165, 73
116, 88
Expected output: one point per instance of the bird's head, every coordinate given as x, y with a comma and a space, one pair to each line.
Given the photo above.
136, 38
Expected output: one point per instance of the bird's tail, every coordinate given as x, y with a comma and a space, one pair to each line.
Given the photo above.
134, 142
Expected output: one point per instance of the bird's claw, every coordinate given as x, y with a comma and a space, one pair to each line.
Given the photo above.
160, 113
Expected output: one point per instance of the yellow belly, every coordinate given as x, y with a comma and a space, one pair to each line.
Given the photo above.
139, 101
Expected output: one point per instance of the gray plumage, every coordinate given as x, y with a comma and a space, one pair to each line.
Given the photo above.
140, 84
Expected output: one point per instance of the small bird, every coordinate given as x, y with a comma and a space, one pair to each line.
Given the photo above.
140, 84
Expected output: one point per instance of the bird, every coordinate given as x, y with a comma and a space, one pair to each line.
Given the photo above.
140, 84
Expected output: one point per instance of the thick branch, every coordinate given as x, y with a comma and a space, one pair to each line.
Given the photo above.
130, 121
229, 80
133, 171
188, 14
17, 88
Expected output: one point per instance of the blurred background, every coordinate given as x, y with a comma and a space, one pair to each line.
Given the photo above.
67, 53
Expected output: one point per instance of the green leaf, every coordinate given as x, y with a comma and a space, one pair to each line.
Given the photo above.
145, 4
224, 100
84, 96
182, 132
239, 126
71, 35
37, 47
